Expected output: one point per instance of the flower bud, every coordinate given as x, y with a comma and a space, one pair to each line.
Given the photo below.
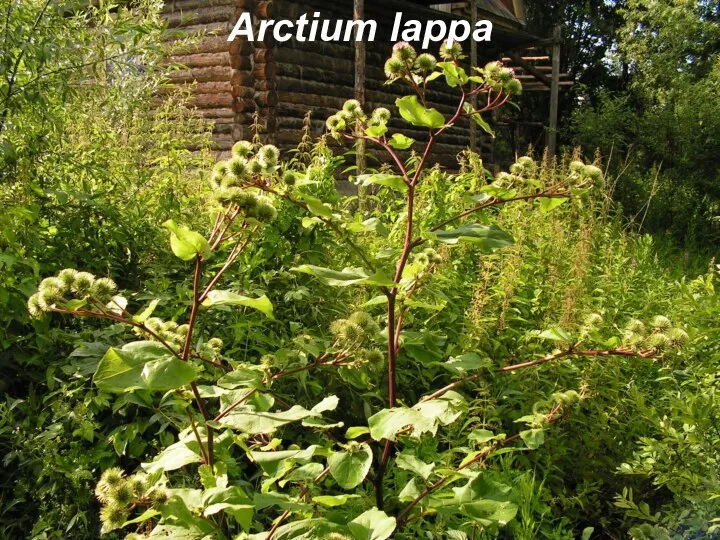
404, 52
83, 283
268, 155
451, 52
381, 115
103, 289
242, 149
661, 322
394, 68
425, 63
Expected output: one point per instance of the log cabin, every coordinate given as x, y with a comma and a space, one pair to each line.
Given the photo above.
231, 80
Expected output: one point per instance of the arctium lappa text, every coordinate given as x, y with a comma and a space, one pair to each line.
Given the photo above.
315, 28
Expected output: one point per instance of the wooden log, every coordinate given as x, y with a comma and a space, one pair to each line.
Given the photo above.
213, 73
264, 71
185, 5
217, 14
240, 62
264, 9
211, 101
203, 60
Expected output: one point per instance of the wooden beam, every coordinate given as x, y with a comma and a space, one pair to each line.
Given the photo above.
359, 14
539, 75
554, 93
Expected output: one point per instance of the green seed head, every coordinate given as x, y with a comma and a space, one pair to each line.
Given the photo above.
289, 178
352, 106
238, 168
677, 337
83, 283
381, 115
245, 201
112, 517
493, 69
215, 343
593, 320
353, 331
155, 324
404, 52
635, 326
657, 341
513, 87
337, 328
183, 329
364, 321
335, 123
242, 149
265, 212
506, 75
48, 296
268, 155
34, 307
593, 172
425, 63
138, 486
109, 480
255, 167
661, 322
159, 496
451, 52
122, 494
394, 68
221, 168
52, 283
170, 326
577, 166
103, 289
67, 277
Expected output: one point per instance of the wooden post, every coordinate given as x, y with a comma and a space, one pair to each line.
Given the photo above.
359, 14
554, 93
473, 63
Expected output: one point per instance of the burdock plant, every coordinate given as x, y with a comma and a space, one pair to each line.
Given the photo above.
248, 456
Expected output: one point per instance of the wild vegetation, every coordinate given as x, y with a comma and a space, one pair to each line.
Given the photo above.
238, 350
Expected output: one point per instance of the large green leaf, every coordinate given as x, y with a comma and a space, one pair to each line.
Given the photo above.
174, 457
142, 365
487, 237
345, 277
454, 75
372, 525
401, 142
409, 462
350, 468
315, 205
186, 244
388, 180
229, 298
547, 204
485, 501
412, 111
257, 422
467, 362
425, 417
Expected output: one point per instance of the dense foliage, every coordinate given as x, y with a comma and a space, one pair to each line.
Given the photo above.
242, 351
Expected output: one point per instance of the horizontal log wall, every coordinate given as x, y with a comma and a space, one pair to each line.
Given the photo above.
282, 81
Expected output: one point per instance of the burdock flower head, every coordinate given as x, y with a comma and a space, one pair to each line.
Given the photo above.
242, 149
268, 156
425, 63
451, 52
394, 68
404, 52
